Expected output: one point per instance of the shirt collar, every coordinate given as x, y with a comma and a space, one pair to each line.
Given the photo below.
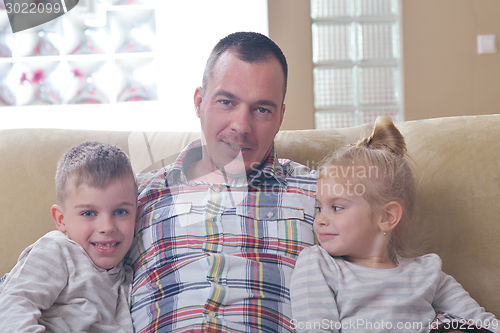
269, 171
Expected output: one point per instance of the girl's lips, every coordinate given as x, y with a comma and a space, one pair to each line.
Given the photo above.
327, 236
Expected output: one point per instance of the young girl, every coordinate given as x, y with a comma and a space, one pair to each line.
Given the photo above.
362, 278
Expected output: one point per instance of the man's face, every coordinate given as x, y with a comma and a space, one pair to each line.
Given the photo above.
240, 111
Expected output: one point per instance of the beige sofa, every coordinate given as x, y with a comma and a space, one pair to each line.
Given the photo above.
459, 196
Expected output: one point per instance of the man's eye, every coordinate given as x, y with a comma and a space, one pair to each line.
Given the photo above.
88, 214
225, 102
263, 110
121, 212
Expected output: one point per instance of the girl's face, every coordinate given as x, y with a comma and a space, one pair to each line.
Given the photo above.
345, 224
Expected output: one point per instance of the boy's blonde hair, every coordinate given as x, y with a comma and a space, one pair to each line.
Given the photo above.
385, 151
92, 163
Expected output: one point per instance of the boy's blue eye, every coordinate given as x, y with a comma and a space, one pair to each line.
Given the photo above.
121, 212
88, 213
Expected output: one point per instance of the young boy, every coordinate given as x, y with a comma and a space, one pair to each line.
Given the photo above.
77, 282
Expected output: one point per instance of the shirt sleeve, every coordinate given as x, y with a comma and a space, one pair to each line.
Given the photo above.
452, 299
312, 291
32, 286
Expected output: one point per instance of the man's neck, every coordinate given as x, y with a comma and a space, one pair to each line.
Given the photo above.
199, 171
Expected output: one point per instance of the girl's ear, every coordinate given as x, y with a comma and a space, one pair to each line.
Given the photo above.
391, 215
58, 216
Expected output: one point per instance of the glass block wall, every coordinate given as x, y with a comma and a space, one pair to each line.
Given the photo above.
356, 54
100, 52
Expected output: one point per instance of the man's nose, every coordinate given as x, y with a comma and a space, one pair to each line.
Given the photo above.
241, 120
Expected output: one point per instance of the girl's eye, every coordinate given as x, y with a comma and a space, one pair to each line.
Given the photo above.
121, 212
88, 214
336, 208
318, 209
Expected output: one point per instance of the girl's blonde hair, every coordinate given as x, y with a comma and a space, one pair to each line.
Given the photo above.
385, 152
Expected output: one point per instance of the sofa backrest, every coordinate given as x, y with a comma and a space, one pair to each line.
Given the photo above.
458, 204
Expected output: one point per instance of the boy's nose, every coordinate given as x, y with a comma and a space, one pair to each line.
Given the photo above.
106, 225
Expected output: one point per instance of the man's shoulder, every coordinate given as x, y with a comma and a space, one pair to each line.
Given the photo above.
295, 169
154, 179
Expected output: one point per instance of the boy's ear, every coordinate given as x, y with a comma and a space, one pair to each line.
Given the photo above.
391, 215
58, 216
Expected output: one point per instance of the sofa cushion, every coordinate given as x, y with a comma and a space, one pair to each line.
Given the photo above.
458, 205
457, 158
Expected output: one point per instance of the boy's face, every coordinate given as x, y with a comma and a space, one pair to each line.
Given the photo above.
102, 221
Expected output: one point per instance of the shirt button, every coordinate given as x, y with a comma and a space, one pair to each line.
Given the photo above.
211, 314
210, 219
216, 189
270, 214
157, 216
216, 280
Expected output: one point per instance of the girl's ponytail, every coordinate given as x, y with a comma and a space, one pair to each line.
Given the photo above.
385, 136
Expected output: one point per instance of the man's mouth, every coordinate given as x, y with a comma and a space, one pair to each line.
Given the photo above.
236, 147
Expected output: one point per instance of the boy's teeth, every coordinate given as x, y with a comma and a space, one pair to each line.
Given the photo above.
105, 246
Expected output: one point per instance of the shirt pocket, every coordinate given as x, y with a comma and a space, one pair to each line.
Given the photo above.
276, 229
163, 233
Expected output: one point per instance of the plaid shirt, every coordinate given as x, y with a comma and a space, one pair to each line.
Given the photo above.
219, 257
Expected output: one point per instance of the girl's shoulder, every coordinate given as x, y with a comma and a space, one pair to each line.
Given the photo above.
316, 256
430, 260
316, 251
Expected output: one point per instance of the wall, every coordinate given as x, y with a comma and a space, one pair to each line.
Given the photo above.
443, 74
290, 27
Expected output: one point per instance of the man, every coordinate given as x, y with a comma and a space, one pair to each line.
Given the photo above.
219, 230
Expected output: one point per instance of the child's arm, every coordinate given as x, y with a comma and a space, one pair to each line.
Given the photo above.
314, 307
452, 299
32, 286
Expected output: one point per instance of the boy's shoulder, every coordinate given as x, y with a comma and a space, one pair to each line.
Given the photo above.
53, 244
52, 237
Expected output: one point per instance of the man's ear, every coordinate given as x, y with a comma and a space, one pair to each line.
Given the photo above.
391, 215
198, 98
58, 216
